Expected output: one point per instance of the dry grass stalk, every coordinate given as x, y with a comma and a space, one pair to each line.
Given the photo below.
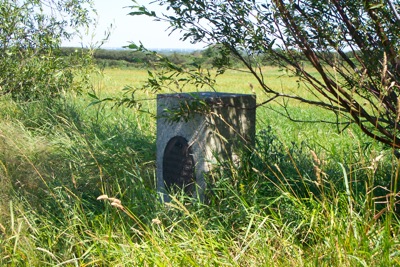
315, 157
2, 229
375, 162
318, 163
115, 202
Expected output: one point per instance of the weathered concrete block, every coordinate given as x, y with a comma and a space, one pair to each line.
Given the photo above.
217, 126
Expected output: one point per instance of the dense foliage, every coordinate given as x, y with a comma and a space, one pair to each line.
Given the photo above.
30, 36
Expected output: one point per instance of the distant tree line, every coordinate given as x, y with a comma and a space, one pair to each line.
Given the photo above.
210, 57
126, 58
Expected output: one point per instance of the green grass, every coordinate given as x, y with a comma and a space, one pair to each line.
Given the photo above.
308, 195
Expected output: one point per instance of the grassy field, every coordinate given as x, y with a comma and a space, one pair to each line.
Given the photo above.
313, 196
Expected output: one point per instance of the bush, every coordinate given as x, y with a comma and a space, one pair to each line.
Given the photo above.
30, 66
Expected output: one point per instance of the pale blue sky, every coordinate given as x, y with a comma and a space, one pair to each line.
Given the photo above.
127, 29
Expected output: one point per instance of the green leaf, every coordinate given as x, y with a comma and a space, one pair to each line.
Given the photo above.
141, 10
93, 96
132, 46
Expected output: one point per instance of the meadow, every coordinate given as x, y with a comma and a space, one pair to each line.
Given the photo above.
308, 195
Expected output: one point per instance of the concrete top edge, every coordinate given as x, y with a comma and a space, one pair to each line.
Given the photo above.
203, 95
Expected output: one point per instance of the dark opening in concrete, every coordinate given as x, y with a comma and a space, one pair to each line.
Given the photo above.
178, 165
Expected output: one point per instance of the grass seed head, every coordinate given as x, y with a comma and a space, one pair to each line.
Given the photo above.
117, 205
317, 161
156, 221
114, 200
102, 197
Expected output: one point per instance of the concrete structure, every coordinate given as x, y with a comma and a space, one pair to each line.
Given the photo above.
194, 130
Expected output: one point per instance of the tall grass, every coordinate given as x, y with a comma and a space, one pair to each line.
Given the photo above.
306, 196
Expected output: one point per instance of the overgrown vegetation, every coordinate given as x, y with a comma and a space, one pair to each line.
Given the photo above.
77, 175
312, 197
30, 36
